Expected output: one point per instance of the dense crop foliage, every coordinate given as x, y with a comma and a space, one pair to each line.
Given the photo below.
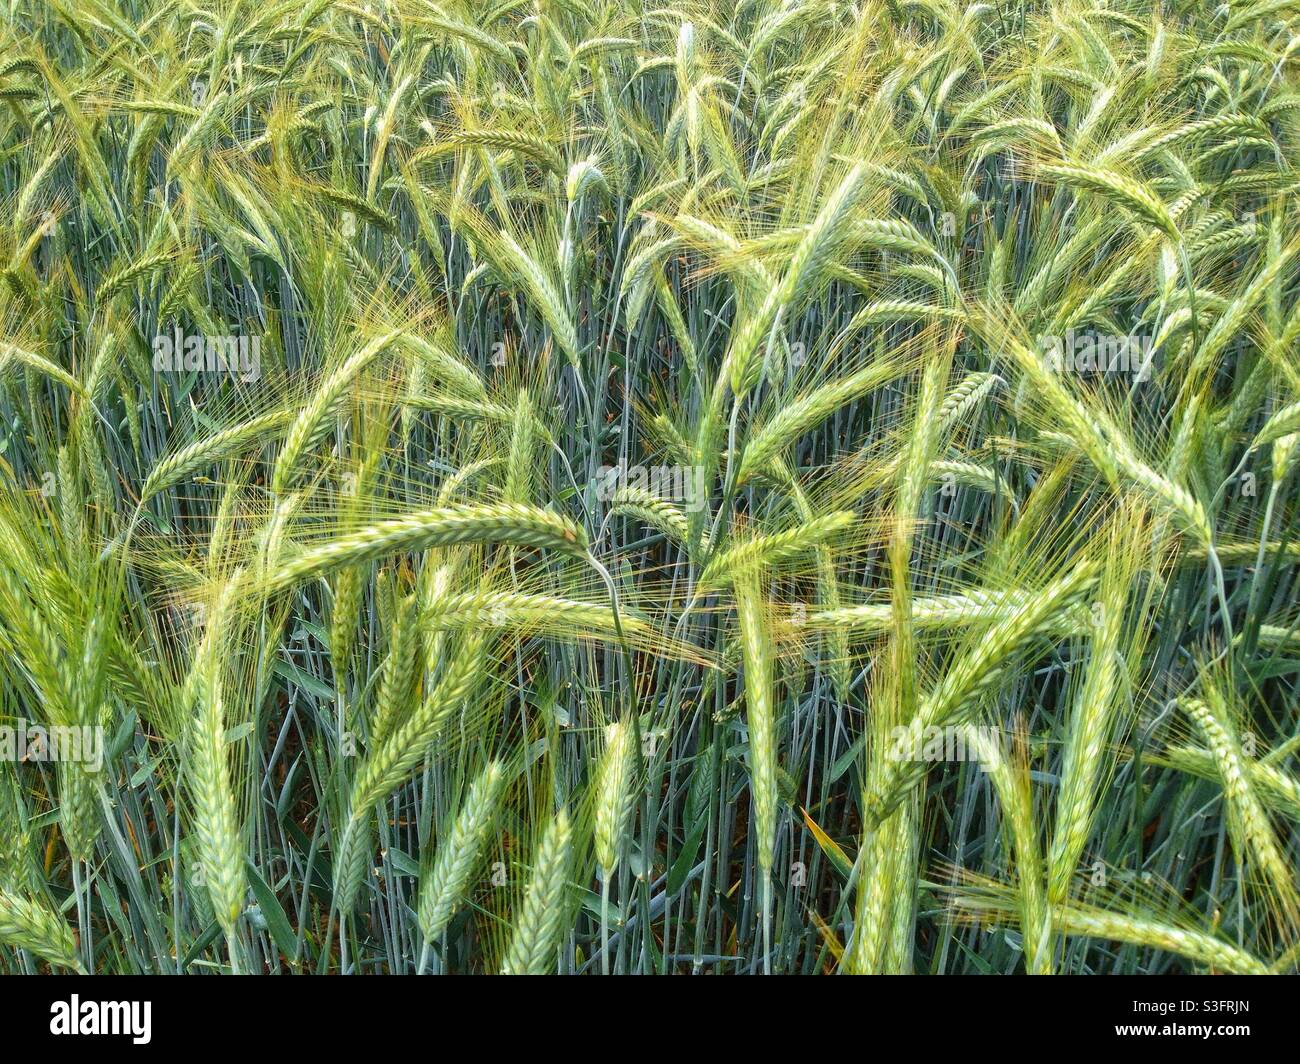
588, 486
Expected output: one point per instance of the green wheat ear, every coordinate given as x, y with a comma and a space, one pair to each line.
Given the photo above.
537, 925
615, 795
26, 924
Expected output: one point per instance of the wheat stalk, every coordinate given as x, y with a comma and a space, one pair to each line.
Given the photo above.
443, 883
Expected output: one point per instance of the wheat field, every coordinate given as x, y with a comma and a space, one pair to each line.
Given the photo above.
597, 487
